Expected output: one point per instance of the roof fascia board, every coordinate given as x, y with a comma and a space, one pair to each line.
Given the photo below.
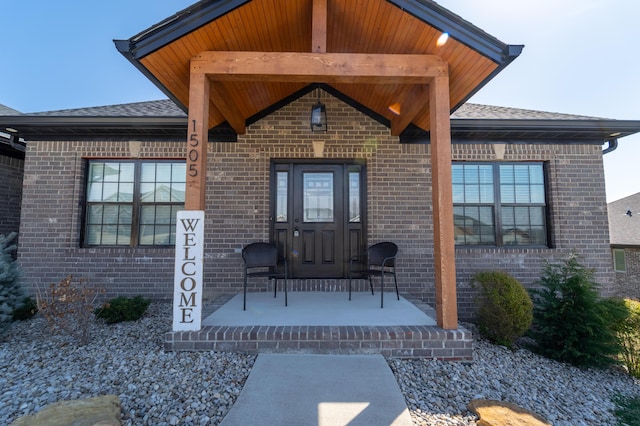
608, 127
459, 29
177, 26
93, 121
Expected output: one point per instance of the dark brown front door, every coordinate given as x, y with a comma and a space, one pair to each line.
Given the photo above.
317, 218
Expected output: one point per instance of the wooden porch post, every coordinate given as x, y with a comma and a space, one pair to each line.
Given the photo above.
444, 249
197, 141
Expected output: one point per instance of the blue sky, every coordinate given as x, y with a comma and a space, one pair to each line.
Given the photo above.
580, 57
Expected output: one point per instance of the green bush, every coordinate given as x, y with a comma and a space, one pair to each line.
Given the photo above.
27, 310
11, 292
629, 334
123, 309
505, 308
570, 322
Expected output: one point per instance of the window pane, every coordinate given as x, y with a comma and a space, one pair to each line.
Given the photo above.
458, 193
537, 194
471, 194
508, 194
619, 261
471, 174
486, 194
536, 174
148, 173
162, 234
282, 191
354, 197
94, 214
318, 197
486, 174
127, 172
125, 193
163, 215
474, 225
147, 215
94, 234
163, 172
177, 192
506, 174
125, 215
110, 215
521, 174
147, 192
111, 172
178, 172
457, 173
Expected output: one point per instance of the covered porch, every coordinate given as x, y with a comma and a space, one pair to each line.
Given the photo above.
232, 66
324, 323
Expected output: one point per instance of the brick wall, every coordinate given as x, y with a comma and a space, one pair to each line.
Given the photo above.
628, 283
237, 206
10, 193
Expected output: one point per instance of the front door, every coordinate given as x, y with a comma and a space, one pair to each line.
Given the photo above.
317, 216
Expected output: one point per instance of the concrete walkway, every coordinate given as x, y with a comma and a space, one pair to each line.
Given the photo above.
320, 390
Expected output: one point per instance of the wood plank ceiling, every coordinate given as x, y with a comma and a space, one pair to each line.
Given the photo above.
353, 26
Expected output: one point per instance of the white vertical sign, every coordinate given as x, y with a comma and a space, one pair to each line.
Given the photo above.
187, 284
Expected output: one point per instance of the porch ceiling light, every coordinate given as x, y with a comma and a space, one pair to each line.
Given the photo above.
442, 40
318, 117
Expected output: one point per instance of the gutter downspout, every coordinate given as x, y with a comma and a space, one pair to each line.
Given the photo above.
612, 145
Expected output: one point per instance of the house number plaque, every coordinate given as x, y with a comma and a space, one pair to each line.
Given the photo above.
193, 153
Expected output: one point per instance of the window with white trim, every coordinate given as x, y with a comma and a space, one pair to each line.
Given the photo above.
133, 203
499, 204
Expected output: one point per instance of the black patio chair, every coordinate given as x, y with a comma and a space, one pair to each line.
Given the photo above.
263, 261
380, 261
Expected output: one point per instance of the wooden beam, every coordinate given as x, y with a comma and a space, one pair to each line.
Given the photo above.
319, 27
443, 238
197, 142
416, 104
328, 68
223, 102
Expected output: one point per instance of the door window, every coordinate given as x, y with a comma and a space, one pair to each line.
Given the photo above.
318, 197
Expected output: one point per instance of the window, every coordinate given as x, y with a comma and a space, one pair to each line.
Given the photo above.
499, 204
619, 261
133, 203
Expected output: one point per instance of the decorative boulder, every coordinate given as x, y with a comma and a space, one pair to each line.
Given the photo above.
98, 411
499, 413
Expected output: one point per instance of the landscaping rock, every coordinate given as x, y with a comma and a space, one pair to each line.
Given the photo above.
499, 413
98, 411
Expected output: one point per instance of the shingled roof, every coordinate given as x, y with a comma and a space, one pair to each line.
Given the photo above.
164, 119
624, 221
166, 108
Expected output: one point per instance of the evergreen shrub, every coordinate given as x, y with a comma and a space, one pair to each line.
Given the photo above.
27, 310
11, 292
505, 308
571, 323
629, 334
123, 309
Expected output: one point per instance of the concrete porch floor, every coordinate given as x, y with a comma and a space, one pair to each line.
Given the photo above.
324, 323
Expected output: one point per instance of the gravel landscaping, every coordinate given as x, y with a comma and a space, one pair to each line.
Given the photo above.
198, 388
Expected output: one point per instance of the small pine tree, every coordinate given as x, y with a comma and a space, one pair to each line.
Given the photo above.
570, 322
11, 292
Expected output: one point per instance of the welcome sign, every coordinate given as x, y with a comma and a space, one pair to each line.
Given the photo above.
188, 286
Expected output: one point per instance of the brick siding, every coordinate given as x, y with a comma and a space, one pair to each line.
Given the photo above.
11, 170
628, 283
237, 206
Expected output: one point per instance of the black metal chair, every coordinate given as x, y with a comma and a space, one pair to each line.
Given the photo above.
264, 260
380, 261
